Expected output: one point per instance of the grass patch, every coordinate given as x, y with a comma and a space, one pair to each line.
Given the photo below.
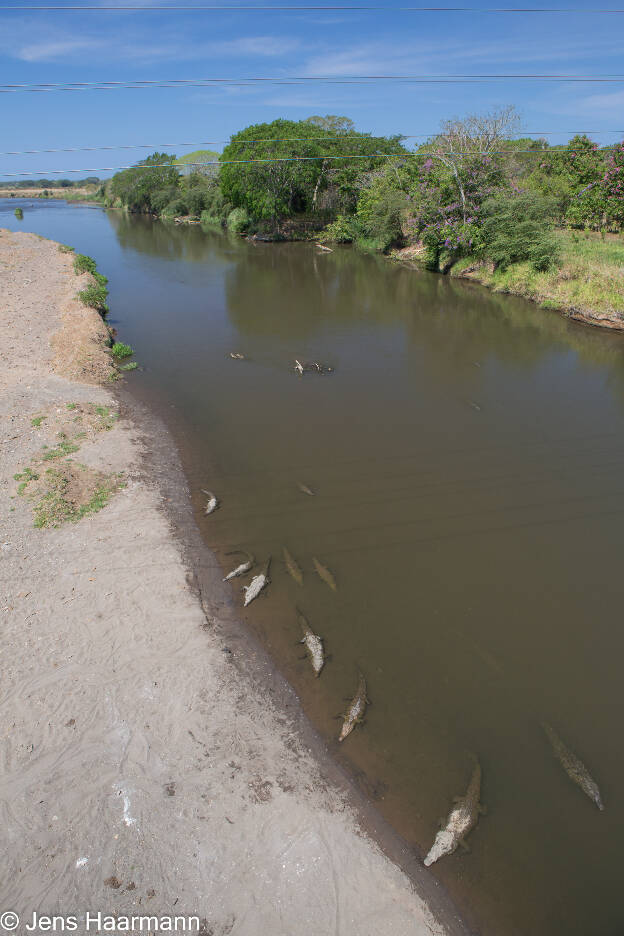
36, 421
589, 278
70, 493
95, 296
65, 447
100, 279
132, 365
60, 489
26, 476
107, 417
84, 264
121, 350
65, 248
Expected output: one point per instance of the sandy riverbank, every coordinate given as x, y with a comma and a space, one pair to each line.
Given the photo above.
154, 762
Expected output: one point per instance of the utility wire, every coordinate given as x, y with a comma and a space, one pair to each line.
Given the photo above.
325, 139
285, 159
300, 81
306, 9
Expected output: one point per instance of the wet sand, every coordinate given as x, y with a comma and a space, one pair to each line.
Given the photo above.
153, 760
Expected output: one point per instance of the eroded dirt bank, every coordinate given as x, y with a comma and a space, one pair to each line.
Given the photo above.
152, 761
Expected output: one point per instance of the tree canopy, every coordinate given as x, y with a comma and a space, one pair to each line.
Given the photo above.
290, 167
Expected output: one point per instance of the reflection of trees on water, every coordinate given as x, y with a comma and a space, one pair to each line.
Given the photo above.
289, 290
170, 241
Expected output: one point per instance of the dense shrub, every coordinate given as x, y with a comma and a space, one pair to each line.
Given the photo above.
175, 208
519, 228
215, 203
160, 199
238, 221
95, 297
380, 213
343, 230
210, 220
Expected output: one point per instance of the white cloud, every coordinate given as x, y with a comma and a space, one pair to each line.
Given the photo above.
31, 41
607, 105
56, 50
448, 57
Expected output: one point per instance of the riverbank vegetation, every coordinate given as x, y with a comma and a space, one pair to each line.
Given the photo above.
476, 199
88, 189
587, 282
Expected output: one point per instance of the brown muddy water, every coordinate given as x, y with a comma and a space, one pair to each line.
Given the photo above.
467, 455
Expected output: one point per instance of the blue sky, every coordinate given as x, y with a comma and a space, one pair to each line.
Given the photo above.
58, 47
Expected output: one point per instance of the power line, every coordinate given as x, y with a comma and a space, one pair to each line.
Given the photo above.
306, 9
299, 80
285, 159
325, 139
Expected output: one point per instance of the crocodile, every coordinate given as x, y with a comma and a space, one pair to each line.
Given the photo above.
293, 567
324, 573
575, 768
242, 568
462, 818
212, 504
355, 713
256, 585
313, 644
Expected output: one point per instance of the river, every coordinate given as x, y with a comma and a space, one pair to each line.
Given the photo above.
466, 453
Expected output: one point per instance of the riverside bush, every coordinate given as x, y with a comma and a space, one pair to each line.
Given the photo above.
95, 296
84, 264
343, 230
210, 220
238, 221
519, 228
121, 350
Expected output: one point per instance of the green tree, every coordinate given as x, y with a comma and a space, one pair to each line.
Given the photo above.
567, 171
284, 168
137, 188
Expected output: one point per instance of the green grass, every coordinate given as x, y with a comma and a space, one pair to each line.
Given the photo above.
65, 248
100, 279
589, 278
121, 350
65, 447
37, 420
94, 296
131, 366
107, 416
54, 507
84, 264
67, 490
25, 477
